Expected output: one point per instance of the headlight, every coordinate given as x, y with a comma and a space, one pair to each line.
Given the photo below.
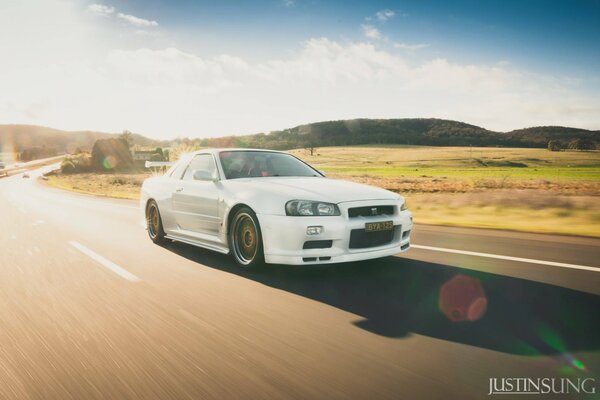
307, 208
403, 207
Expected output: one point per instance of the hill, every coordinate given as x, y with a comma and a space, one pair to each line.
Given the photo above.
36, 141
33, 141
542, 134
432, 132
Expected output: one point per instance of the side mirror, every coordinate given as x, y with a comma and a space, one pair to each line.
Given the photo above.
204, 175
322, 172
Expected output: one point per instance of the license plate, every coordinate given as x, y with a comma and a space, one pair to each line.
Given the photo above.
379, 226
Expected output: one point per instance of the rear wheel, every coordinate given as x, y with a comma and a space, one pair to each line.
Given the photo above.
154, 223
245, 239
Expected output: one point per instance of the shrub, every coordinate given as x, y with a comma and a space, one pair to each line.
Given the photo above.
81, 162
67, 167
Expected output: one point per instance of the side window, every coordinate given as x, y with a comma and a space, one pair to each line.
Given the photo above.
200, 162
178, 170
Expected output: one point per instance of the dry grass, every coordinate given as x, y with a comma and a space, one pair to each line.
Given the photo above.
447, 157
444, 184
520, 210
120, 186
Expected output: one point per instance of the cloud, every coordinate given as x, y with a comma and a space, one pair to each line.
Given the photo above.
91, 76
370, 31
136, 21
101, 9
109, 11
416, 46
384, 15
205, 92
289, 3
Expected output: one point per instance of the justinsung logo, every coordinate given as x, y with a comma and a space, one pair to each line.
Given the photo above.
542, 386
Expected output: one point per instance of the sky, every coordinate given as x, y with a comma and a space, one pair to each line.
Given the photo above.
168, 68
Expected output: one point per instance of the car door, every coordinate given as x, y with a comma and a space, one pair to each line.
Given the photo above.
164, 193
195, 200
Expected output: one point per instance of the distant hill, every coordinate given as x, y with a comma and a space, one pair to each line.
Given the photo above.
433, 132
542, 134
37, 141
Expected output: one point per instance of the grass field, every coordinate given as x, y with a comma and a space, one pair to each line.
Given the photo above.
461, 169
456, 162
520, 189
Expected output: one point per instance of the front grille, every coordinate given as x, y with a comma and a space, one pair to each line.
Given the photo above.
360, 239
317, 244
370, 211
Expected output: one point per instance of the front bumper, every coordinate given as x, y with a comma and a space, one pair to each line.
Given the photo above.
284, 236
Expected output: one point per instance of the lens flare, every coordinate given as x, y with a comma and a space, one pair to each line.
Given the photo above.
578, 364
553, 340
462, 299
109, 162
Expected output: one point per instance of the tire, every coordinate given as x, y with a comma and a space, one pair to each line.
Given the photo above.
154, 223
245, 239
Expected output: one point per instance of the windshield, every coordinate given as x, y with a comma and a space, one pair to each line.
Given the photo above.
255, 164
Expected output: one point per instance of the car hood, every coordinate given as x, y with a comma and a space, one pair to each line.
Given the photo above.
313, 188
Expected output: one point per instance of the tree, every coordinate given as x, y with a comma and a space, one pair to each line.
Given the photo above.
127, 137
582, 144
157, 157
586, 144
573, 144
111, 154
554, 145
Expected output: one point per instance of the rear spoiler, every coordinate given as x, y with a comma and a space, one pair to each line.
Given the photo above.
150, 164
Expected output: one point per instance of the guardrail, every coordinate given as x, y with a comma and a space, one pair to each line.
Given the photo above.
29, 165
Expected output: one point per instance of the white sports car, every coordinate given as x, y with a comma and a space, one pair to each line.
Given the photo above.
269, 206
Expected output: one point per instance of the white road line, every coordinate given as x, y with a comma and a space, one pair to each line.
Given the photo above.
123, 273
508, 258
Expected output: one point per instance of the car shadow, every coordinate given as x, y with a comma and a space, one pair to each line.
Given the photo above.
397, 297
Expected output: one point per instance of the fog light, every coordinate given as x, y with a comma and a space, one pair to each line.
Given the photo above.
314, 230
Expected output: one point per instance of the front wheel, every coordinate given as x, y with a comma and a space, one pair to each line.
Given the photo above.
245, 239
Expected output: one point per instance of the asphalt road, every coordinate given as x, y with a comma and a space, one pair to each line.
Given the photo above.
90, 308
